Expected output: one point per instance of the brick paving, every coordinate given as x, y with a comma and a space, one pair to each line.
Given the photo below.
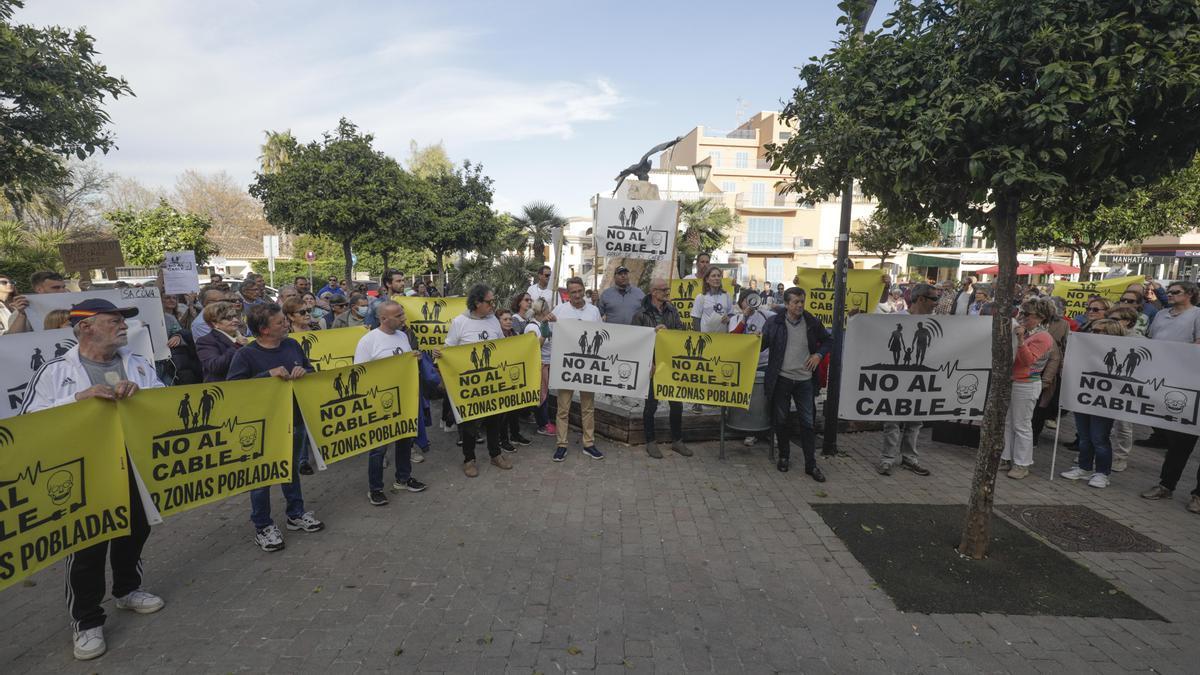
628, 565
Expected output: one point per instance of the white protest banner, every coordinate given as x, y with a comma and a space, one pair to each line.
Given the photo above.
914, 368
1151, 382
636, 228
601, 357
21, 354
145, 299
179, 273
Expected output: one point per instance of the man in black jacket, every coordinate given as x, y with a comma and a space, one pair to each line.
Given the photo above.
659, 313
798, 341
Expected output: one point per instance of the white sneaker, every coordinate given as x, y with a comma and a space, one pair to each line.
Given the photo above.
89, 644
1099, 480
269, 539
749, 441
306, 522
1075, 473
1120, 465
445, 427
1051, 424
141, 602
416, 455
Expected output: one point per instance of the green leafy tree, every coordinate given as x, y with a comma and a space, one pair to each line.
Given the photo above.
1170, 206
454, 215
706, 227
987, 109
53, 89
883, 233
146, 235
339, 187
537, 221
506, 274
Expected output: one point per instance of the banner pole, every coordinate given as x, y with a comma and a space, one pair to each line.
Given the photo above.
1054, 454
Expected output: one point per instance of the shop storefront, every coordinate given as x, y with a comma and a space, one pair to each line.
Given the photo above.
1148, 265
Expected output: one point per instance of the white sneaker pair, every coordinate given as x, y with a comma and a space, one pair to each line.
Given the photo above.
90, 644
1095, 479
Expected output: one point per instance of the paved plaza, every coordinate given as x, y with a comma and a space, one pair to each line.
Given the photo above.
626, 565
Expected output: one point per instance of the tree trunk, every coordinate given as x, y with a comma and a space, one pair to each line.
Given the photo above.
1087, 258
977, 528
347, 253
539, 250
384, 255
440, 265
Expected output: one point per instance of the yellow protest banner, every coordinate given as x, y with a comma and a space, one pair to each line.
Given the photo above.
64, 485
863, 289
362, 407
684, 292
1077, 293
494, 376
705, 368
200, 443
429, 318
333, 348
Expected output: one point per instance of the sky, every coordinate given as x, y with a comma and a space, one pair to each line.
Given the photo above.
554, 98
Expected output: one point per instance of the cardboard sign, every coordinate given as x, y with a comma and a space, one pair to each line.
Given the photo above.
99, 254
706, 368
24, 353
603, 358
179, 273
914, 368
200, 443
1151, 382
146, 300
61, 490
1077, 293
863, 289
628, 228
494, 376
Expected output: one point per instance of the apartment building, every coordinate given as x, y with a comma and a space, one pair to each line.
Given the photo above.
775, 232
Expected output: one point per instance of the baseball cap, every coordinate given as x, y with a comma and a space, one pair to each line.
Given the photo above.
622, 268
93, 306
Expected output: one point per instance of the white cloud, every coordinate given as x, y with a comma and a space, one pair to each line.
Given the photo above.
210, 77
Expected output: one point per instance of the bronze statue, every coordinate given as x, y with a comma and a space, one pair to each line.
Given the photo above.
641, 170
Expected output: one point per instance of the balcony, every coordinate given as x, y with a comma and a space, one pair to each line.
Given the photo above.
771, 202
762, 244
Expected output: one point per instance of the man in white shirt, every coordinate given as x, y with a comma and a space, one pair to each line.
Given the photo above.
541, 287
576, 310
389, 339
478, 324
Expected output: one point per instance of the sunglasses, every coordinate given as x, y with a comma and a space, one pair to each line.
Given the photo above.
1095, 309
304, 312
1175, 292
1129, 301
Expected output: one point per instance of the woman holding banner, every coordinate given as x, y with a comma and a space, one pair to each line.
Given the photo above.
539, 325
478, 324
1032, 355
1095, 446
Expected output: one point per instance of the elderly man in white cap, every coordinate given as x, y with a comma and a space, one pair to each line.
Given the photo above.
100, 366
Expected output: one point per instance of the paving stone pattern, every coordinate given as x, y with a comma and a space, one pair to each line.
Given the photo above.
627, 565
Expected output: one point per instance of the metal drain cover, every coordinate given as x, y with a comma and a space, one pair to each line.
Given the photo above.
1078, 528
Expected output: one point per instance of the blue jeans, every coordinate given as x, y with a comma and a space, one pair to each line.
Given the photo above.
422, 435
260, 498
785, 393
403, 463
1094, 444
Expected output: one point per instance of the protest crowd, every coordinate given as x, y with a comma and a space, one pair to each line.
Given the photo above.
230, 332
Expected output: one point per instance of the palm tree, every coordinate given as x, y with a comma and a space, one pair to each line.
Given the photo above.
276, 150
536, 220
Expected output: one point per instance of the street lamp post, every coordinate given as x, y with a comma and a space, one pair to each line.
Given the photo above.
833, 398
701, 170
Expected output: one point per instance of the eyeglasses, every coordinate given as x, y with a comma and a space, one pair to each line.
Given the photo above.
490, 301
305, 312
1128, 301
1095, 309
